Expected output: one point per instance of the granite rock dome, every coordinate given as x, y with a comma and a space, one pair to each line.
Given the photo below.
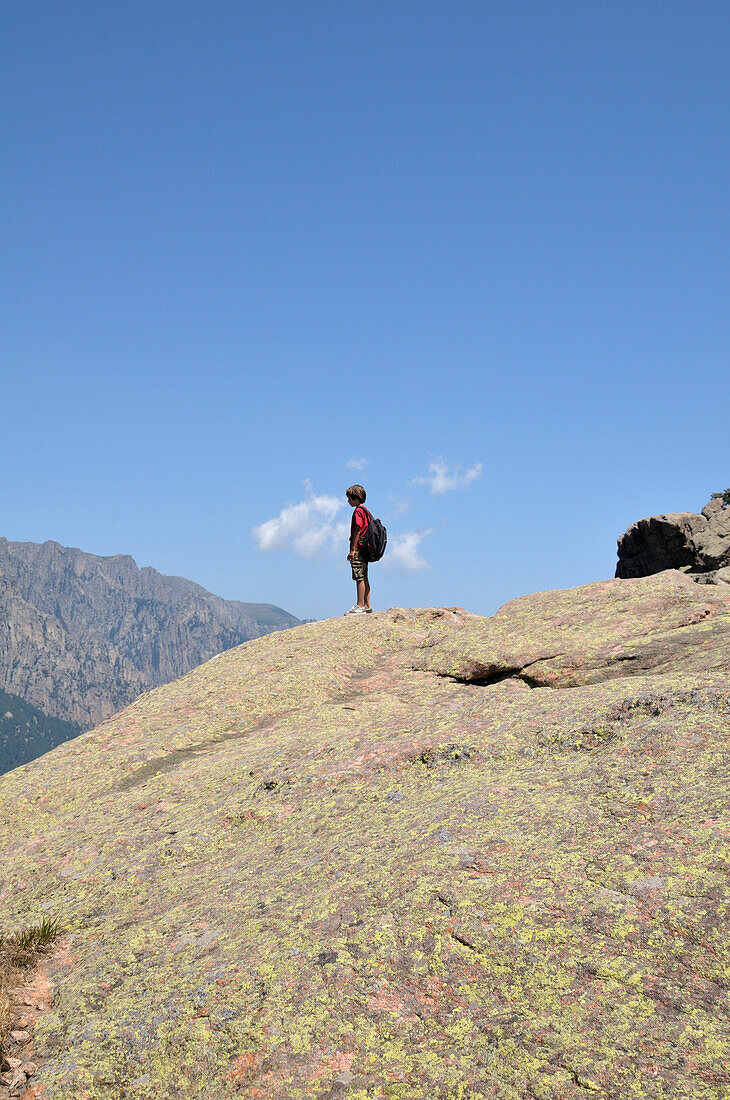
415, 854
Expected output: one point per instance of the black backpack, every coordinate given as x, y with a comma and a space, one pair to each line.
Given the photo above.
375, 541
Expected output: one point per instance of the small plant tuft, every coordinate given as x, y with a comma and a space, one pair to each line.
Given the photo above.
33, 938
724, 497
20, 951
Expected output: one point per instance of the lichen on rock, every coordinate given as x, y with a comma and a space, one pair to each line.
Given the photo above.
426, 854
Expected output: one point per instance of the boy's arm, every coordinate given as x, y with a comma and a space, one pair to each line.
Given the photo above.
355, 537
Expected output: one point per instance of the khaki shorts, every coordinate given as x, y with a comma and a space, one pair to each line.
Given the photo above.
359, 567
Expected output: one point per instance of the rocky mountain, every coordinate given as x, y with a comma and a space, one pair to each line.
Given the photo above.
414, 854
699, 545
82, 635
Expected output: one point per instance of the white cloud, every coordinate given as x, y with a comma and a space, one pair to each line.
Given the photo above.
402, 555
442, 478
356, 463
398, 507
308, 528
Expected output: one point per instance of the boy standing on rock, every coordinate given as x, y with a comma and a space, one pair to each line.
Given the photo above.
360, 523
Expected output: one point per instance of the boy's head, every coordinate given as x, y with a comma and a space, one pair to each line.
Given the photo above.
355, 495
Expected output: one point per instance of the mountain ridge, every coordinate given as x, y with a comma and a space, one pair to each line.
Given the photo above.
82, 634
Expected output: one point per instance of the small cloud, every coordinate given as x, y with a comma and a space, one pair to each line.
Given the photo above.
308, 528
442, 477
398, 507
356, 463
402, 554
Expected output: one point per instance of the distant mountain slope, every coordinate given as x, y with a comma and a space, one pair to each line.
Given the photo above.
26, 732
81, 636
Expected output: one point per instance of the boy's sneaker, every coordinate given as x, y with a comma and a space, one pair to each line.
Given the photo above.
356, 611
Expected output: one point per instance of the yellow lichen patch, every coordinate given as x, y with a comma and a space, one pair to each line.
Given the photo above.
320, 866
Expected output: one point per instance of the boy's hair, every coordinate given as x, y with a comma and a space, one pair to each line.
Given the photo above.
357, 493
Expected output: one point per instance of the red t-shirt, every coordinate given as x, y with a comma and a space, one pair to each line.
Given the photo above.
361, 519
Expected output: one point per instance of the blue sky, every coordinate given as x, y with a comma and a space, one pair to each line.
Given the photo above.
479, 247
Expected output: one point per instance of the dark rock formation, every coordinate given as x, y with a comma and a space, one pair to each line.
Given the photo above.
698, 545
423, 855
81, 635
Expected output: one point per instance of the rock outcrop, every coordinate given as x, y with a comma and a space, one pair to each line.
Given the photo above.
414, 854
699, 545
81, 635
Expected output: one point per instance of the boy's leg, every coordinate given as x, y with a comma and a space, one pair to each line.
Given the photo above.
363, 593
360, 577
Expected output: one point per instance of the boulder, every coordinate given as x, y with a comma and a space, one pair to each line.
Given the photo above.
697, 544
712, 542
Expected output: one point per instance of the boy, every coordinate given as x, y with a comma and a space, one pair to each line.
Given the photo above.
360, 522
